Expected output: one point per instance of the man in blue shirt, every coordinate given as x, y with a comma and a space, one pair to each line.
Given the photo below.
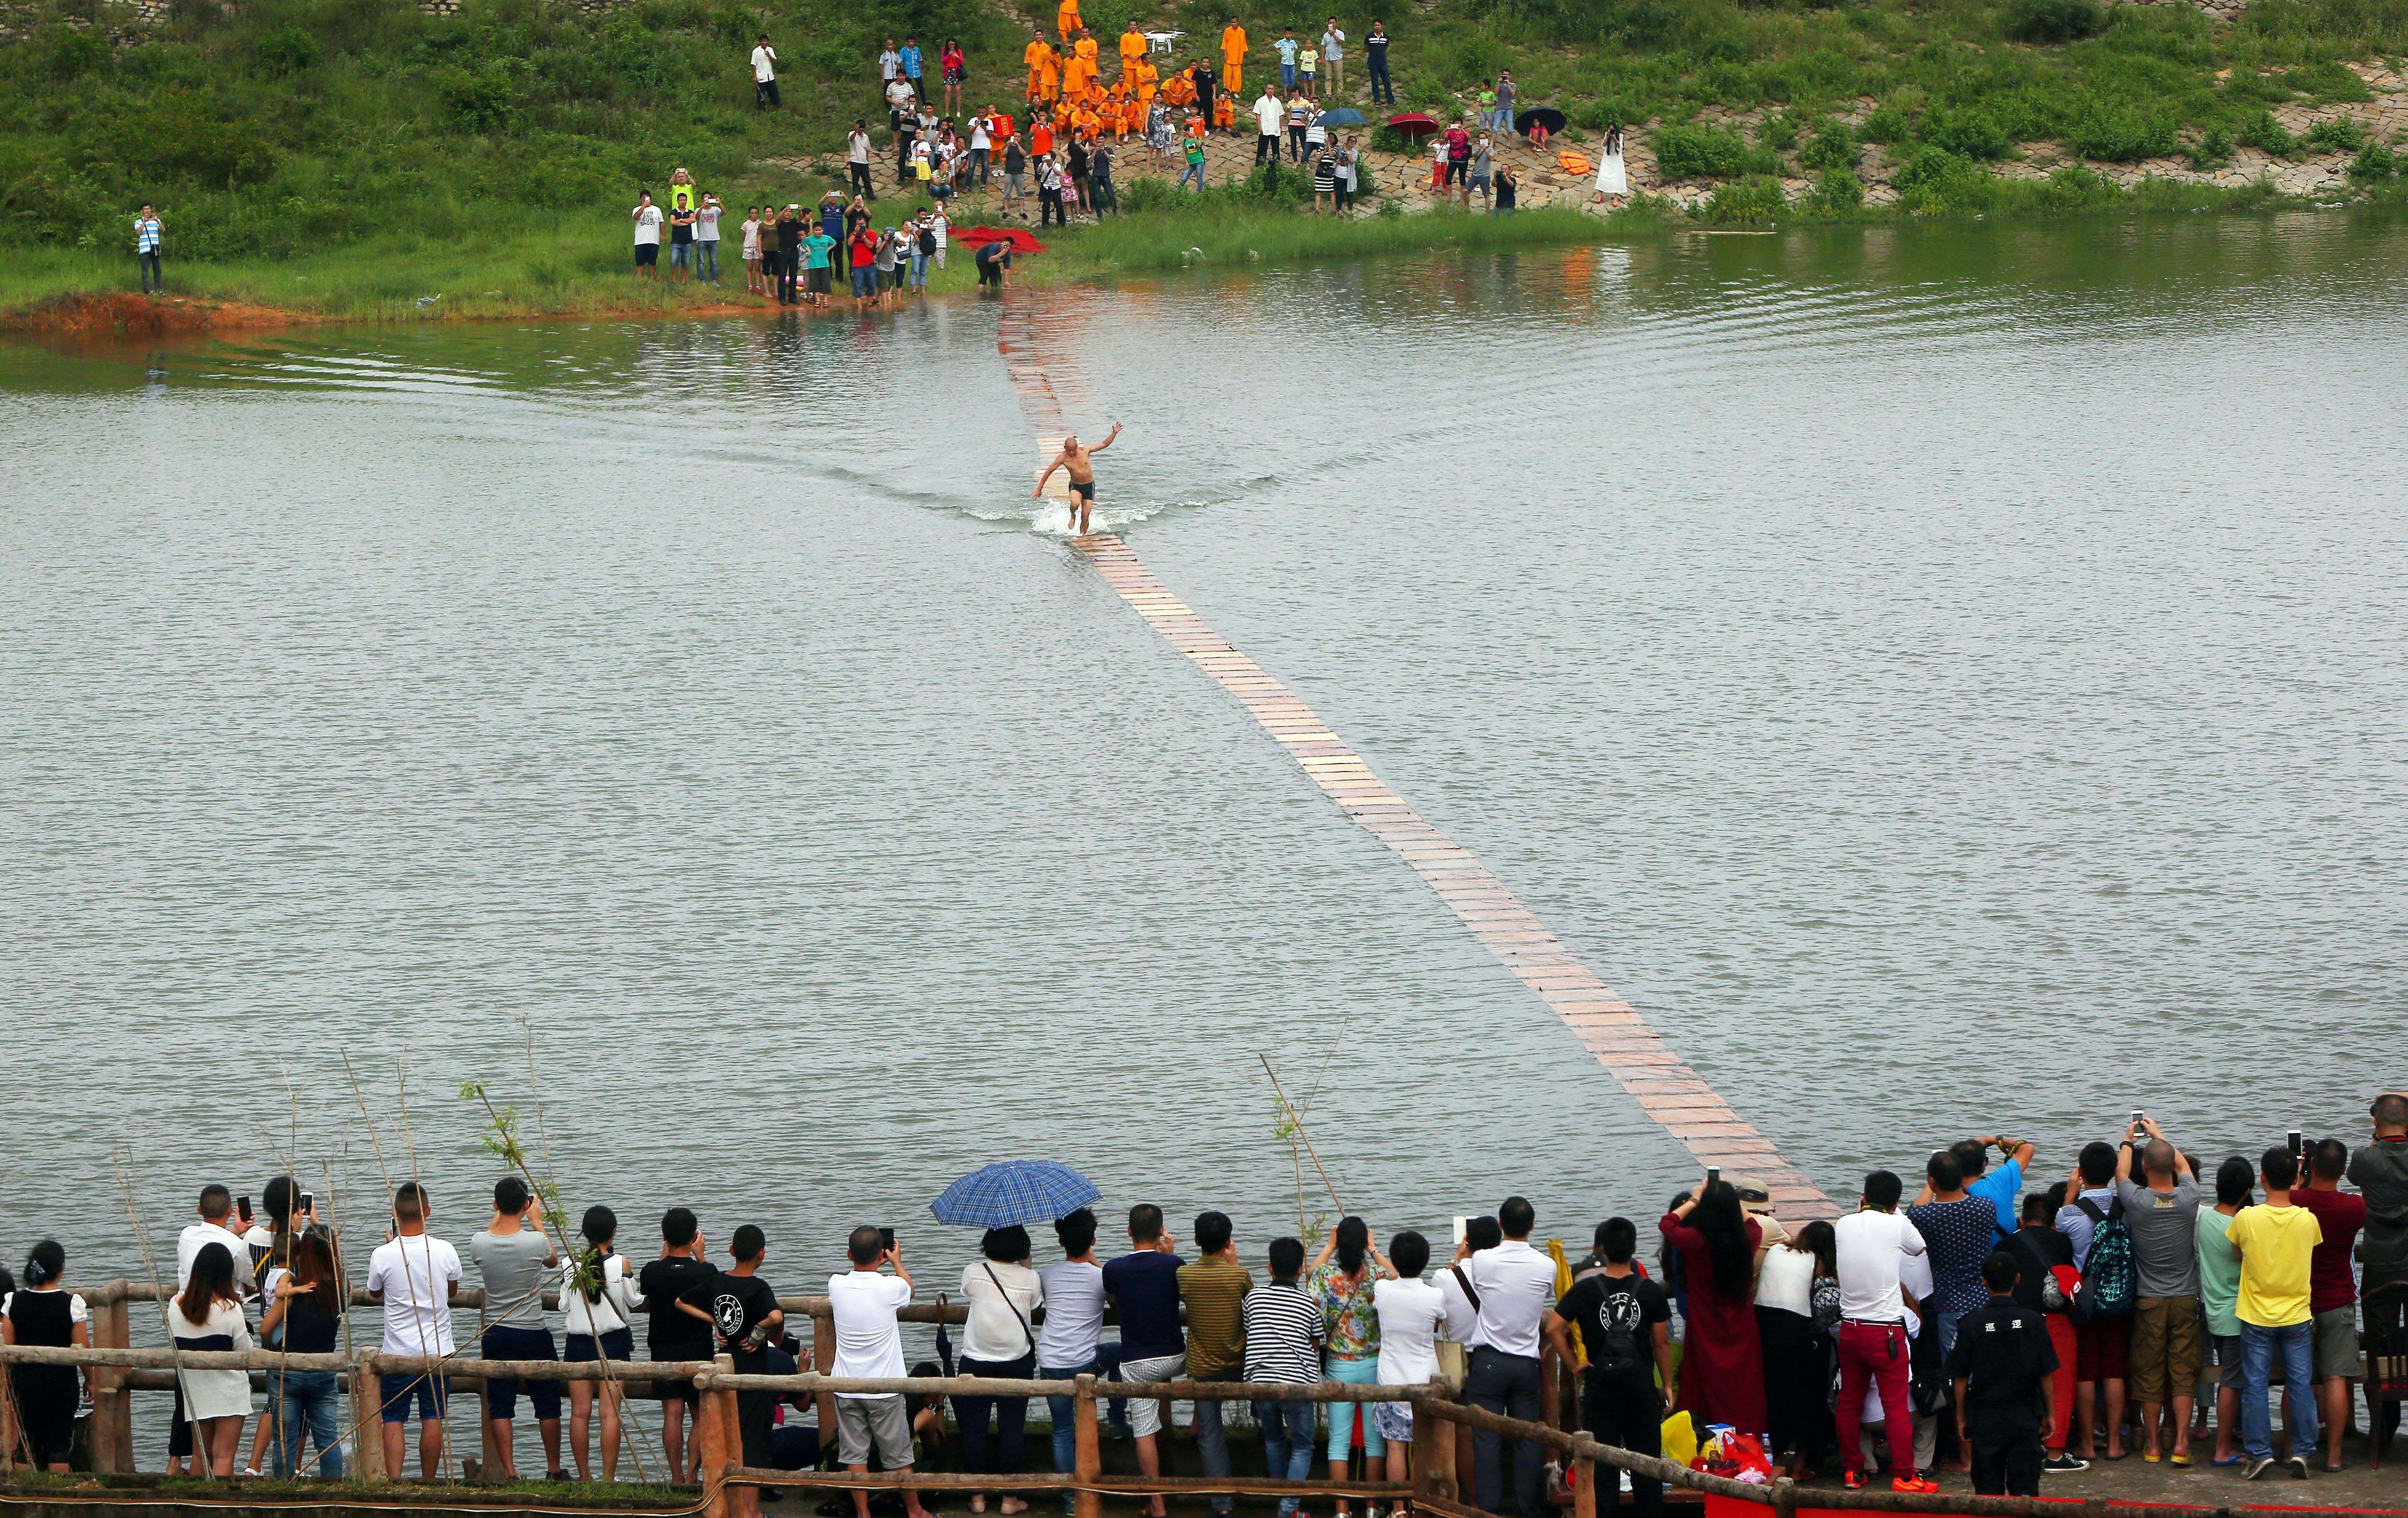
2003, 1188
1286, 48
911, 67
1144, 1285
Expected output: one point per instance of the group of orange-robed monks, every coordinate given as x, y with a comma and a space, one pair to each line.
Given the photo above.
1068, 81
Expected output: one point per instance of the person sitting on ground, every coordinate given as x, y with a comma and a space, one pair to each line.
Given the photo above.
2103, 1344
1625, 1355
2000, 1364
2276, 1243
1284, 1329
517, 1260
2166, 1349
2333, 1297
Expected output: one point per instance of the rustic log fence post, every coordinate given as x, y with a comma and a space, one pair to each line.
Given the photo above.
713, 1427
823, 1360
111, 1443
1433, 1452
367, 1422
1584, 1493
1089, 1443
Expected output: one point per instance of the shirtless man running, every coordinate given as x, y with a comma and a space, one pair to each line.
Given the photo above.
1079, 461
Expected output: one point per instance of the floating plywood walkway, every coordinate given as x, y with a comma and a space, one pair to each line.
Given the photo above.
1663, 1084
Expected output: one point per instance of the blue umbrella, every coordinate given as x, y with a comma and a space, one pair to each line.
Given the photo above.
1015, 1192
1343, 116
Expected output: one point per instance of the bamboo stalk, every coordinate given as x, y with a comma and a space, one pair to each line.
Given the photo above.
142, 1242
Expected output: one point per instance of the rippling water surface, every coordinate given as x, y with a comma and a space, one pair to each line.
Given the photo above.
1950, 681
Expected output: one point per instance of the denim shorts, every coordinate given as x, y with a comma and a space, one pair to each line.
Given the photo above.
398, 1392
680, 255
865, 281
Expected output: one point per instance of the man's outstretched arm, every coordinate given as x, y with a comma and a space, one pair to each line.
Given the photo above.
1107, 439
1059, 459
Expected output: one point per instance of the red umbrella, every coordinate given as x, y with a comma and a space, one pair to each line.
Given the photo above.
1413, 123
1021, 238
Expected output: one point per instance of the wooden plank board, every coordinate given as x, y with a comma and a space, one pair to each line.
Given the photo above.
1667, 1090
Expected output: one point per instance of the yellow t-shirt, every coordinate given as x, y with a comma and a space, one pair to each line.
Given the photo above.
2276, 1245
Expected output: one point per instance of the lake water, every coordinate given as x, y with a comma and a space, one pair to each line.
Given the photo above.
1950, 680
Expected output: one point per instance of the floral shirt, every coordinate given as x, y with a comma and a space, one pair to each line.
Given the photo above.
1347, 1314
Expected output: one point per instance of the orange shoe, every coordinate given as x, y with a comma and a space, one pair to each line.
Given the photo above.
1919, 1485
1853, 1480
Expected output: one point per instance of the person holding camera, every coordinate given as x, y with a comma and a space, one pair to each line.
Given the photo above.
305, 1316
743, 1313
865, 1302
517, 1261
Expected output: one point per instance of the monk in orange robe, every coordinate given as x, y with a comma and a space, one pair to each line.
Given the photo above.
1086, 123
1087, 51
1065, 19
1233, 57
1044, 68
1224, 111
1148, 82
1133, 49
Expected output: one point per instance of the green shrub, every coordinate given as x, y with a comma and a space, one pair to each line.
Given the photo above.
2266, 133
480, 101
2214, 147
2342, 135
2375, 162
1778, 132
2114, 132
1427, 96
1273, 184
1148, 193
284, 51
2330, 81
1756, 198
1387, 140
1837, 191
1973, 133
1708, 152
68, 52
1888, 124
1832, 147
1934, 181
2055, 22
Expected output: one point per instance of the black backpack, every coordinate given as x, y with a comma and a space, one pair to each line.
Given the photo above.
1620, 1351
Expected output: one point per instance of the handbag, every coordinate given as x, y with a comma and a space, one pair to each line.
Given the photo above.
1013, 1305
1454, 1359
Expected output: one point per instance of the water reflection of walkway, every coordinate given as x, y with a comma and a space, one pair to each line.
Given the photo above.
1665, 1086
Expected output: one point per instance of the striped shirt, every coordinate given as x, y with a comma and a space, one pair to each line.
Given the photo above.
1284, 1334
145, 234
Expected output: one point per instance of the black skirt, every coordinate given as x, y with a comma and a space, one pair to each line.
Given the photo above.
1797, 1376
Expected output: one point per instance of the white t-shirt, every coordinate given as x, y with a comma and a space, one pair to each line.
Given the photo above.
869, 1341
647, 225
1269, 113
1411, 1313
1460, 1324
765, 63
1787, 1280
939, 226
857, 148
1074, 1313
416, 1274
1001, 1297
195, 1237
1515, 1283
977, 134
1872, 1248
706, 224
